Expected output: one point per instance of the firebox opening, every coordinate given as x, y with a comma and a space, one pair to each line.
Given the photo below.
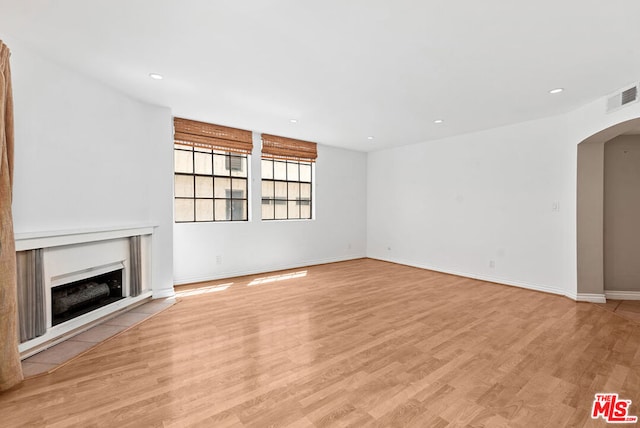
80, 297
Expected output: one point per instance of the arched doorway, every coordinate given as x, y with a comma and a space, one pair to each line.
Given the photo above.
591, 208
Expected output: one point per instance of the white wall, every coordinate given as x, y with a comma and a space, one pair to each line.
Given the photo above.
465, 201
87, 156
456, 205
337, 233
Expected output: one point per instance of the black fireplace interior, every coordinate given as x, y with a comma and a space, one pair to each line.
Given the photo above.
77, 298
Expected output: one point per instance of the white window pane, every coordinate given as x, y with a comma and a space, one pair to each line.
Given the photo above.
204, 209
238, 166
305, 190
204, 187
223, 209
222, 188
268, 209
281, 189
184, 209
183, 186
239, 186
292, 171
279, 170
294, 191
203, 163
305, 210
267, 168
294, 209
305, 172
267, 189
220, 165
183, 161
281, 210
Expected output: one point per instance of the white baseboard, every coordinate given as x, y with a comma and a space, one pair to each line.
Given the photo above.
243, 272
502, 281
161, 294
579, 297
589, 297
622, 295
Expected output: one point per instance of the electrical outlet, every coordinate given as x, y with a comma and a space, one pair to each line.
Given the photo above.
218, 259
492, 264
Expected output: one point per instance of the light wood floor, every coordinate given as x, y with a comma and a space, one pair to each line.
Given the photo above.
359, 343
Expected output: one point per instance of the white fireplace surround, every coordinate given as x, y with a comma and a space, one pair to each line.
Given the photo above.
74, 255
57, 281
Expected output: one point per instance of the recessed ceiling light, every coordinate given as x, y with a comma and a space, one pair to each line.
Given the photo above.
370, 137
556, 90
155, 76
293, 120
438, 121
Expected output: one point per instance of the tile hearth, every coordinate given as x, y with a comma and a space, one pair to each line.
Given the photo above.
53, 357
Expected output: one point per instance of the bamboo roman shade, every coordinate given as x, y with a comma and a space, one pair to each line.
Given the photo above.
208, 136
287, 148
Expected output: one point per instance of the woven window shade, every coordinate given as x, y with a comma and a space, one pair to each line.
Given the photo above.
287, 148
208, 136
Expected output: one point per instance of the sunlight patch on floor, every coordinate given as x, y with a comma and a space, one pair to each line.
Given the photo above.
275, 278
203, 290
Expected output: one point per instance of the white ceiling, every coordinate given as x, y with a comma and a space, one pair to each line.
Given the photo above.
344, 69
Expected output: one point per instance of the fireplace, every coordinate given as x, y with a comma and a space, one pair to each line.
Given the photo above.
80, 297
69, 281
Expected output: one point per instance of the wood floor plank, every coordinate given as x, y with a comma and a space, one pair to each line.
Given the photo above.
358, 343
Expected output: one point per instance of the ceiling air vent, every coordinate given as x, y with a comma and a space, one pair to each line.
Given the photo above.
621, 99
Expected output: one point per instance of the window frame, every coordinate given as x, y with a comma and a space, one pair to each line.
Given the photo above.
229, 206
288, 199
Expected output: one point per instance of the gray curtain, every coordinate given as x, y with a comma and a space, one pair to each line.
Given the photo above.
31, 310
135, 266
10, 368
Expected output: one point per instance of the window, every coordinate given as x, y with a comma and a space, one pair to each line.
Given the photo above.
206, 189
286, 189
287, 177
210, 172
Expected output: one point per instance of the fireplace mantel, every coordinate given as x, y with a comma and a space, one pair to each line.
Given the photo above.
32, 240
70, 255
